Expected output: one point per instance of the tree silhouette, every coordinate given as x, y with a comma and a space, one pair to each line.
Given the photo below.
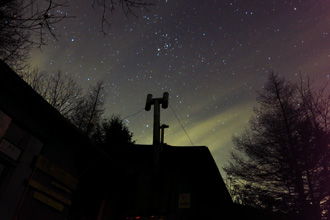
128, 7
64, 94
21, 19
282, 162
18, 21
59, 90
112, 134
90, 110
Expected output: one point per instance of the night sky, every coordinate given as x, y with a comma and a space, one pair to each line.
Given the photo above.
211, 56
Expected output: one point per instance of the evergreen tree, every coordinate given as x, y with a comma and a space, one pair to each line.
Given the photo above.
112, 134
282, 161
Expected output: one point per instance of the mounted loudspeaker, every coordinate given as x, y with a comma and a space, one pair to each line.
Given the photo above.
148, 103
165, 100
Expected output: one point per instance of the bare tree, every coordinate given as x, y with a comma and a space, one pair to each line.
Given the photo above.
282, 161
90, 110
128, 7
22, 19
62, 92
19, 20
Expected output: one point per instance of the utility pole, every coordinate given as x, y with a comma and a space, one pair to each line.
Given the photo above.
156, 144
156, 102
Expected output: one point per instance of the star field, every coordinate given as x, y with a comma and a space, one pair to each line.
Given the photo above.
211, 56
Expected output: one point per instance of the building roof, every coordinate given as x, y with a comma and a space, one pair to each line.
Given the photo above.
17, 91
26, 107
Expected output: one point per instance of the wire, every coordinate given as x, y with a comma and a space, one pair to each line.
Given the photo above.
177, 118
133, 114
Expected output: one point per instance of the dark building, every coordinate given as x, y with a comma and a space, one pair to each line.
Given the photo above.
186, 185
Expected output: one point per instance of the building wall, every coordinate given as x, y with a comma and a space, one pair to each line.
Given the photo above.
17, 150
41, 154
187, 186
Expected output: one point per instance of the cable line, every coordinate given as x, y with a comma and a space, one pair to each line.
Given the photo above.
133, 114
177, 118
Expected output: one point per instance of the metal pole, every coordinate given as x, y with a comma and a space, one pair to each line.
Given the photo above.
156, 133
156, 139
